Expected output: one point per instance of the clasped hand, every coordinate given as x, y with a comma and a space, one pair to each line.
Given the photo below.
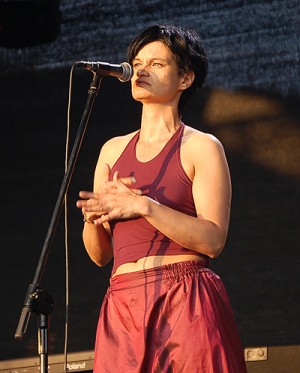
113, 200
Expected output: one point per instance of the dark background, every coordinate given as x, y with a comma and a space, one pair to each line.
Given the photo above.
251, 102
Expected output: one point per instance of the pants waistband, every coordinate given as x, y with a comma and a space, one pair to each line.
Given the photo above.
170, 272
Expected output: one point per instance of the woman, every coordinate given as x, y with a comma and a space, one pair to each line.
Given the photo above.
160, 208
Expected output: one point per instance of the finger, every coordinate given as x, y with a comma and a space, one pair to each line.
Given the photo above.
86, 195
137, 191
104, 218
86, 206
93, 209
80, 204
128, 180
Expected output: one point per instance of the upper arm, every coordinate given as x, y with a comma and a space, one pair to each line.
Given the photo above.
109, 154
102, 170
211, 184
106, 159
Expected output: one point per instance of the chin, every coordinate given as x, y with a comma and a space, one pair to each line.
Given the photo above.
140, 97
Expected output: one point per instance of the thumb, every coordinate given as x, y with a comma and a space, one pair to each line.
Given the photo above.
116, 176
106, 172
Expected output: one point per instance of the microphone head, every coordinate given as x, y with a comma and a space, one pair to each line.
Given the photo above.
127, 72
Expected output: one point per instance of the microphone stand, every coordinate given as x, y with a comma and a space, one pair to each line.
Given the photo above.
37, 300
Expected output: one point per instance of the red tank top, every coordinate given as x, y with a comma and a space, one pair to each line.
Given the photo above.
164, 180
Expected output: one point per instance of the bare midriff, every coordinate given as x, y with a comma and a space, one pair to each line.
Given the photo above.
155, 261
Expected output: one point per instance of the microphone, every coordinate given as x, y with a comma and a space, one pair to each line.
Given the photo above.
123, 71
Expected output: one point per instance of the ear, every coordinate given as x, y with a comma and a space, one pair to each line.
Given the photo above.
186, 79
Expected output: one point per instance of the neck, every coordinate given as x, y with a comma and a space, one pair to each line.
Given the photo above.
158, 123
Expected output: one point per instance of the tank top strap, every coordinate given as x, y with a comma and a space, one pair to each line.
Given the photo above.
173, 145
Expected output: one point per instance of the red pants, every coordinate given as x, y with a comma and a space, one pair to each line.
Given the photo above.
174, 318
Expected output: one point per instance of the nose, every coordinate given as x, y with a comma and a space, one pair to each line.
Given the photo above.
142, 72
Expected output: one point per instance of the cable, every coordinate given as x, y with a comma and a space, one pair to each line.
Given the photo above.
66, 227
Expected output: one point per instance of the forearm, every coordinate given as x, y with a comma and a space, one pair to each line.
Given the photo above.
199, 234
97, 241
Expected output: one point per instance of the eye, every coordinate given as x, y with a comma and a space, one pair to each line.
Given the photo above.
157, 64
136, 64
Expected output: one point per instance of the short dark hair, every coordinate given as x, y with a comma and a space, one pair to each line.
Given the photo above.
187, 47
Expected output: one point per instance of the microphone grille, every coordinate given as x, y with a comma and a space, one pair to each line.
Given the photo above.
127, 72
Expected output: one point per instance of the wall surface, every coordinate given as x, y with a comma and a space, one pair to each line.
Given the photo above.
249, 43
251, 103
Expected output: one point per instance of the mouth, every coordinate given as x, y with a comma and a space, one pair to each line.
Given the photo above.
141, 83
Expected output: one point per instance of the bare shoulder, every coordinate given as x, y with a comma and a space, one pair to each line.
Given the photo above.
200, 143
201, 151
113, 148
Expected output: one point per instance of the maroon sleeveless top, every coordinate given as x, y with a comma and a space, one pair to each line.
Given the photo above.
162, 179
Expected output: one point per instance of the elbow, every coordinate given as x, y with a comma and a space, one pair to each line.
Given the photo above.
218, 240
100, 262
215, 252
215, 247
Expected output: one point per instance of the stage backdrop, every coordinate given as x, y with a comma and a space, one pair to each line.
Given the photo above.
250, 102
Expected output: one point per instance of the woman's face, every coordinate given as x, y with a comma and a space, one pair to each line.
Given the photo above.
156, 76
